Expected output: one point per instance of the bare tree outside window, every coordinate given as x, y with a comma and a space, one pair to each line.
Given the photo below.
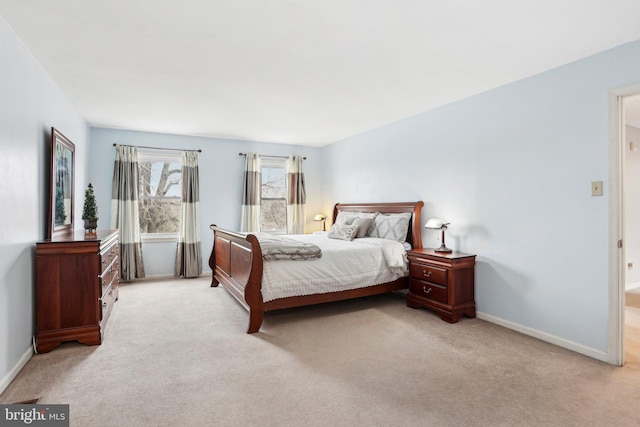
160, 194
273, 212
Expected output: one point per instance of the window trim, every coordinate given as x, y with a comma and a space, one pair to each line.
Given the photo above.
159, 237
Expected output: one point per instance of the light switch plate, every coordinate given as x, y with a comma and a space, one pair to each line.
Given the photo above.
596, 188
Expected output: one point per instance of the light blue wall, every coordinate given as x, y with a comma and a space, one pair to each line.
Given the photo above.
30, 104
221, 172
511, 169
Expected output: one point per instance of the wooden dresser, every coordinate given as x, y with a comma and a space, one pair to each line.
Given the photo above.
77, 284
443, 282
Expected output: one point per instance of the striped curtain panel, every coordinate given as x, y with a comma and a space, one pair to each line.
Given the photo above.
188, 253
124, 211
296, 196
251, 194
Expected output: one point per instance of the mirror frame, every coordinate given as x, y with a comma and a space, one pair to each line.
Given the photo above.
58, 139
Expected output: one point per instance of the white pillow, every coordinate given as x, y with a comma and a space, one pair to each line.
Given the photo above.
391, 226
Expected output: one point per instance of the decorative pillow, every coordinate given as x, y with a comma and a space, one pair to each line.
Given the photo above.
363, 226
346, 218
391, 226
343, 232
373, 216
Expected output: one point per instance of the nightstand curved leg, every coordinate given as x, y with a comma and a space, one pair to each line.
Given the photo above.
412, 304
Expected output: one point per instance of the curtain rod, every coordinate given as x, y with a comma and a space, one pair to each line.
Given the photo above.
275, 157
157, 148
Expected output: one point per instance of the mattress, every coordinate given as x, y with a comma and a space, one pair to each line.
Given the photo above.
344, 265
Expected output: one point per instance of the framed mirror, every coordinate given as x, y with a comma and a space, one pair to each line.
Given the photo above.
62, 184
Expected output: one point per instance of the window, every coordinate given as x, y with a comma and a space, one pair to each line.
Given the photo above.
160, 176
273, 212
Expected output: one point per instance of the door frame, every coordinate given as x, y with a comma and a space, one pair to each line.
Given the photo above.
617, 222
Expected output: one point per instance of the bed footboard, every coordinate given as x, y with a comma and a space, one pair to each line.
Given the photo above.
236, 263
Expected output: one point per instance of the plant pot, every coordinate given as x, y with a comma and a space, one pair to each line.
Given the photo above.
90, 225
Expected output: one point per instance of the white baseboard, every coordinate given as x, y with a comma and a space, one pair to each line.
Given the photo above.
630, 286
560, 342
6, 380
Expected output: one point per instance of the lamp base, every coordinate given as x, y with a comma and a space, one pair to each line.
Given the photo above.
443, 249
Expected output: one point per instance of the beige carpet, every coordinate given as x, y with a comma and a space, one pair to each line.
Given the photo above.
176, 354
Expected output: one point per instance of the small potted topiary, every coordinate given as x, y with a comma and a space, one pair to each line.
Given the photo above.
90, 211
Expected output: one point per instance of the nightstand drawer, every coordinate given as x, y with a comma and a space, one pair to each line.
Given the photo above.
429, 290
428, 273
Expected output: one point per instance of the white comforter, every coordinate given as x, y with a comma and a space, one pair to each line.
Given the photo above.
344, 265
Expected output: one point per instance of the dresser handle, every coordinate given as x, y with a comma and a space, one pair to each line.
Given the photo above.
426, 274
426, 291
104, 305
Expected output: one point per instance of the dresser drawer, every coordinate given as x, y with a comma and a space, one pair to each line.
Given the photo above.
428, 273
106, 302
110, 266
429, 290
105, 280
109, 278
109, 254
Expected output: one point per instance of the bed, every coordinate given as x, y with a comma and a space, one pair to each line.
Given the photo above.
237, 264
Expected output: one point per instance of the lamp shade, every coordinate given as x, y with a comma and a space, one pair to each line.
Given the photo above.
319, 217
436, 224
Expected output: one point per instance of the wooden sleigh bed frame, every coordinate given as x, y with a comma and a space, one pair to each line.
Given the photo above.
236, 263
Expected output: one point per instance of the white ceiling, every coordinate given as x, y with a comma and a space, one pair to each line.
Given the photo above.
299, 71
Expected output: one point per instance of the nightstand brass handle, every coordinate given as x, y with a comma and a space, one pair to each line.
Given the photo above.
426, 274
426, 291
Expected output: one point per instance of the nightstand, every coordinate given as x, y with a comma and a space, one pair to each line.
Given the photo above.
442, 282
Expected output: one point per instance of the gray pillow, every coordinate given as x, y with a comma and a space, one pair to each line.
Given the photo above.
391, 226
346, 218
363, 226
343, 232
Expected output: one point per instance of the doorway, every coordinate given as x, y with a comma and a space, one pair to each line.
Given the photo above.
630, 147
618, 263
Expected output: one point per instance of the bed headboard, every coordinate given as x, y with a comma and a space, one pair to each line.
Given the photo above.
414, 234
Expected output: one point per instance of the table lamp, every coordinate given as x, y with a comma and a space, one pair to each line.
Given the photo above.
438, 224
322, 218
